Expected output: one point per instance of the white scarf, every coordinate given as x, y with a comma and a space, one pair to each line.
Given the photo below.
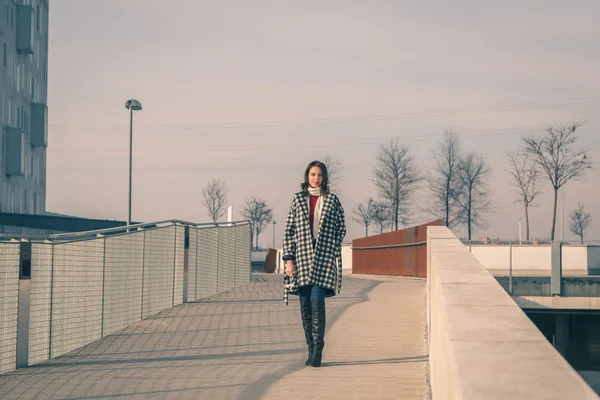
318, 209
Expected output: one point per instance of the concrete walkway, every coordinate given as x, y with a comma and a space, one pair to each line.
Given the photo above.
246, 344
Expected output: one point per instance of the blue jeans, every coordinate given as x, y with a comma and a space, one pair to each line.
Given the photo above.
312, 293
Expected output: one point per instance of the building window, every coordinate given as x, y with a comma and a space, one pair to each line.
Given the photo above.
33, 89
5, 54
37, 18
35, 203
12, 18
25, 201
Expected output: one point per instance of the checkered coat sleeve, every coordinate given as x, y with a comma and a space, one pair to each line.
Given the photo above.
323, 265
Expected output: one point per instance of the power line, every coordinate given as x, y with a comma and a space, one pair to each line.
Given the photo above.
345, 119
319, 143
246, 168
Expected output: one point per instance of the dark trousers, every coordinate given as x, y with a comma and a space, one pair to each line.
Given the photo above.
311, 293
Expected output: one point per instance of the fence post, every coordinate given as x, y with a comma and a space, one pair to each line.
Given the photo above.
24, 304
250, 253
556, 277
174, 263
217, 251
510, 271
235, 255
103, 283
186, 249
196, 287
143, 269
51, 302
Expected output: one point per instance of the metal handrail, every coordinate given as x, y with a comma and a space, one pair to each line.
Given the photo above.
119, 229
391, 246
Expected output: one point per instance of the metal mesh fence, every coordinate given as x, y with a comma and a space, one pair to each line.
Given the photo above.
242, 254
9, 304
192, 264
207, 276
124, 257
76, 295
88, 288
226, 261
39, 314
159, 259
179, 259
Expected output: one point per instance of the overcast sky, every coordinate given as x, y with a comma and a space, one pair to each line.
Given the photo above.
251, 91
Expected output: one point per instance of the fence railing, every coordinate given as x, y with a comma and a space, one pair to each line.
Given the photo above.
61, 292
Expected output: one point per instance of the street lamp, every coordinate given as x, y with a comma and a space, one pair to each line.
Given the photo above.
274, 223
132, 105
520, 230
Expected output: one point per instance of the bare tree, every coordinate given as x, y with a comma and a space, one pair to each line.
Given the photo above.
364, 214
473, 198
215, 199
443, 183
553, 154
525, 175
260, 215
382, 216
580, 221
334, 170
396, 177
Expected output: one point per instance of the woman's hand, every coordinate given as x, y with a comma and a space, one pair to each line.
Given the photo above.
290, 270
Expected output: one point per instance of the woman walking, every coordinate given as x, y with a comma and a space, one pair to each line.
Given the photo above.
314, 231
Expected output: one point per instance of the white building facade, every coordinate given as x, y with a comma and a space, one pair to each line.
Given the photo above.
23, 102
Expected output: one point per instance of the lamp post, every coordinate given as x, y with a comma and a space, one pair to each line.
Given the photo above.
274, 223
519, 230
132, 105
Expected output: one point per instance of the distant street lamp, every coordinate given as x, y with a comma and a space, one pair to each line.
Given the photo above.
132, 105
274, 223
520, 230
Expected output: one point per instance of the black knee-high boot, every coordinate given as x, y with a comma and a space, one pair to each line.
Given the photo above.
318, 331
306, 314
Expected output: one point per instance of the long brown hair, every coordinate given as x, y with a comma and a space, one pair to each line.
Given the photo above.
324, 186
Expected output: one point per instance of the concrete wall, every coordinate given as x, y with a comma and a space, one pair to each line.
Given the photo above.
258, 255
347, 257
537, 258
481, 345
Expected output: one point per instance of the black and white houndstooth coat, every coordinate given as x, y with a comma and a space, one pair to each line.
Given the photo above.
323, 265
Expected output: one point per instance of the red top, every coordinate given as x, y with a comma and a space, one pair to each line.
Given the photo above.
311, 214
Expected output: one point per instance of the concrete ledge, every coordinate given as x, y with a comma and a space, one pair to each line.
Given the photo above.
481, 344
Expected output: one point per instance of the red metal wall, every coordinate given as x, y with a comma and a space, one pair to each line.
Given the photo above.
401, 261
271, 261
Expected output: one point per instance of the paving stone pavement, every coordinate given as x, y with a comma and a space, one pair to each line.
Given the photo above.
246, 344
